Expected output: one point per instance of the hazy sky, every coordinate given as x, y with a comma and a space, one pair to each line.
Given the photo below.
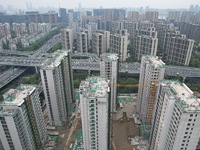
103, 3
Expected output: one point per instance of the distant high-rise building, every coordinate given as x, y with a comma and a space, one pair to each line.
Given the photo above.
109, 69
118, 45
110, 14
63, 15
173, 16
133, 16
22, 124
146, 42
106, 39
151, 15
179, 50
82, 42
91, 27
19, 29
97, 44
75, 29
95, 115
151, 73
176, 118
187, 16
5, 30
191, 30
57, 80
67, 39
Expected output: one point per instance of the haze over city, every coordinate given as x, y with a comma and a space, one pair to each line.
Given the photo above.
99, 75
103, 3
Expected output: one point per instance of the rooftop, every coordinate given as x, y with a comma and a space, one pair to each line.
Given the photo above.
16, 96
109, 57
55, 60
95, 87
155, 60
186, 99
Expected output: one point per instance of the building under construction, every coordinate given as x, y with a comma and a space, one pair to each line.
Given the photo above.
151, 72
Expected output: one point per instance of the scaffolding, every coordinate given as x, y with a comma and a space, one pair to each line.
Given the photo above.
151, 101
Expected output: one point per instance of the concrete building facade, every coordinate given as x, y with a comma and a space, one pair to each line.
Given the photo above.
109, 69
146, 42
176, 118
57, 80
118, 45
67, 39
82, 42
94, 104
151, 73
22, 124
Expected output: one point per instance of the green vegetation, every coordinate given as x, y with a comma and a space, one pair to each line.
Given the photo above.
38, 43
131, 51
195, 59
55, 47
33, 79
194, 87
130, 85
79, 76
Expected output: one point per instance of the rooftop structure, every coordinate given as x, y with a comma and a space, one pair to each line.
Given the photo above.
21, 116
94, 102
57, 83
176, 117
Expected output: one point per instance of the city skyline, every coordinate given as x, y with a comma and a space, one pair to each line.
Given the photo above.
22, 4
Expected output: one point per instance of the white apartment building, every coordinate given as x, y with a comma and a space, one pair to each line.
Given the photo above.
82, 42
146, 42
151, 73
118, 45
67, 39
109, 69
94, 104
22, 124
57, 80
176, 118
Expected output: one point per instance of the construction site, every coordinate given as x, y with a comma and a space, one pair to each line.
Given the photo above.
123, 127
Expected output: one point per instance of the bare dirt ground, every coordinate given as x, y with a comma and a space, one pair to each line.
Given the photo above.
123, 130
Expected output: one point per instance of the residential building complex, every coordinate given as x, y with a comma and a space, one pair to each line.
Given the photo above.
67, 39
109, 69
173, 16
146, 42
133, 16
22, 124
82, 42
179, 50
98, 44
151, 73
57, 80
94, 104
176, 118
118, 45
151, 16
